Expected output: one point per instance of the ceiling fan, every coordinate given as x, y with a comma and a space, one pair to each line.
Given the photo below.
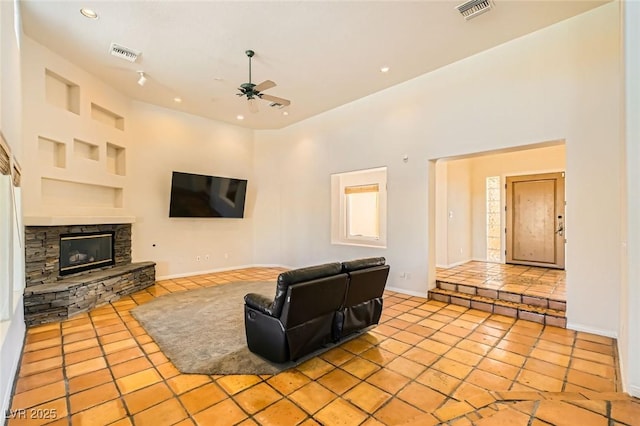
253, 91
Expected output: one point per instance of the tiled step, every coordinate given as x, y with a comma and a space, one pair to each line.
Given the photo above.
503, 303
506, 296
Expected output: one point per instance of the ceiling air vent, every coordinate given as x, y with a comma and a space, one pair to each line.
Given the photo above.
474, 8
124, 52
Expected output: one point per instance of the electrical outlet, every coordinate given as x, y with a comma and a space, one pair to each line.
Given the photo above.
226, 255
206, 257
197, 258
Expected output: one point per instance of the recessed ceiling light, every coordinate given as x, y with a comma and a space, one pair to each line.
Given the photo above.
88, 13
384, 69
240, 117
285, 112
177, 99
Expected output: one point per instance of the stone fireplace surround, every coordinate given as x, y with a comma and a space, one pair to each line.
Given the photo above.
49, 297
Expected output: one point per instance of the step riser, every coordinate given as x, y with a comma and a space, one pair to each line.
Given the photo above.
518, 311
503, 295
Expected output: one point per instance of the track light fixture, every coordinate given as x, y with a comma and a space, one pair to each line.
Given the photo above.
143, 79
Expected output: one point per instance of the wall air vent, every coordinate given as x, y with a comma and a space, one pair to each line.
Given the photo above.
124, 52
474, 8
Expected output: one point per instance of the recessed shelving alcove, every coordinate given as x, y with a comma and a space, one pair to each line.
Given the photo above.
61, 92
107, 117
56, 192
52, 153
86, 150
115, 159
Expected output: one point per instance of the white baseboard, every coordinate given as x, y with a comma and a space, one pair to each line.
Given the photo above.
592, 330
405, 291
452, 265
634, 391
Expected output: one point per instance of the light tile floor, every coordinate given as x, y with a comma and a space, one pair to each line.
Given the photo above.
426, 363
530, 280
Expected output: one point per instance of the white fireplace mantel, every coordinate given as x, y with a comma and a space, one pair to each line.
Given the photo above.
76, 220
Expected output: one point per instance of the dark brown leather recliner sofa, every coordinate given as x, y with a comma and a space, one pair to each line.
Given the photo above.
315, 306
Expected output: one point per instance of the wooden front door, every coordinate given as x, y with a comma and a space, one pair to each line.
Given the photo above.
535, 220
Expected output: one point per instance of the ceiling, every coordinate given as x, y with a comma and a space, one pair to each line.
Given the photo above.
321, 54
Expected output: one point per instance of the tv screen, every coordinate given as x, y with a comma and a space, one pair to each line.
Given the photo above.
206, 196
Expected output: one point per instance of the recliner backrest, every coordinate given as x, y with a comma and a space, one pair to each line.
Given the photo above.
367, 279
312, 299
368, 262
299, 275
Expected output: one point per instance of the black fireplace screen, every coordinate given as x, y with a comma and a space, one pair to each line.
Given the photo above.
81, 252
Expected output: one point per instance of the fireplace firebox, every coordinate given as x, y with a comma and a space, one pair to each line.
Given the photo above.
84, 251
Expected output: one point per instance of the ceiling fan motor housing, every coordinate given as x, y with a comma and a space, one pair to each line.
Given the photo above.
249, 89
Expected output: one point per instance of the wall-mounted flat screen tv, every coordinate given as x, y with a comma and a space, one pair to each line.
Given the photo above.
195, 195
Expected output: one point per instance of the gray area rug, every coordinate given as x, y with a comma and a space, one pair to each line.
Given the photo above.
202, 331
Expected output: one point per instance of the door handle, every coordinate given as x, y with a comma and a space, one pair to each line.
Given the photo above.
560, 230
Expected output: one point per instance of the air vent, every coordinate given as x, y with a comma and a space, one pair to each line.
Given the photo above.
124, 52
474, 8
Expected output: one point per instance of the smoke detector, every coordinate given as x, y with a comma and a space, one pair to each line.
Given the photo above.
473, 8
124, 52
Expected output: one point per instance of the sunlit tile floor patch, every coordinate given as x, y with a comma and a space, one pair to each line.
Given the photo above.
426, 363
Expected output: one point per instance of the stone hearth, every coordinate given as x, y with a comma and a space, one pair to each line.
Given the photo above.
48, 297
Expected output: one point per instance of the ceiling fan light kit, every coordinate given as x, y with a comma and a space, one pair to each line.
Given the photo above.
252, 91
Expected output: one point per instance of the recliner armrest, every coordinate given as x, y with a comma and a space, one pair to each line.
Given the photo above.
259, 303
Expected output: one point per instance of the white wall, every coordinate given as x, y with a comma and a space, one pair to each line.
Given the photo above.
559, 83
594, 176
629, 340
458, 212
83, 189
167, 141
441, 214
12, 329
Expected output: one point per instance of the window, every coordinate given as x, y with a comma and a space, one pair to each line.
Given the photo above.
359, 212
363, 213
494, 236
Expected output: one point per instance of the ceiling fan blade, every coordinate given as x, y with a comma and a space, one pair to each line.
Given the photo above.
267, 84
253, 105
275, 99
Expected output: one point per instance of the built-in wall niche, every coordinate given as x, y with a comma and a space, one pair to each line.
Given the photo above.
61, 92
52, 153
86, 150
107, 117
57, 192
115, 159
